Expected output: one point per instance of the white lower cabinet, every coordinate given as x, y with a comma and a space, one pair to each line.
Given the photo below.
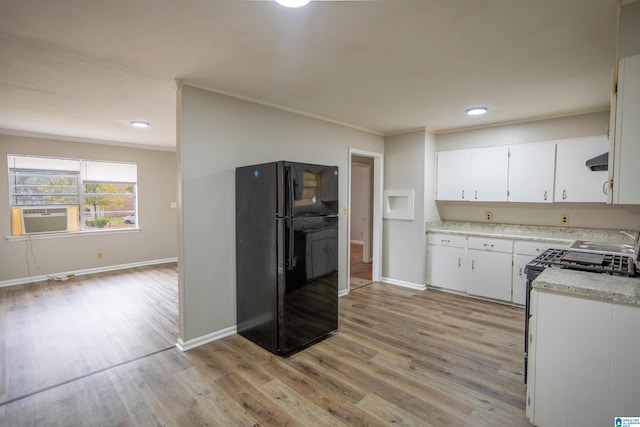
485, 267
523, 253
489, 268
584, 361
447, 258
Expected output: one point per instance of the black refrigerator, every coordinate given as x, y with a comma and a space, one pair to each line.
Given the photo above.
286, 254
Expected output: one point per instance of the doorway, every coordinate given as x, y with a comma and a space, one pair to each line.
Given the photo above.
365, 182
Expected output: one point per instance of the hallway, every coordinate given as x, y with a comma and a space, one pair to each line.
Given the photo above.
361, 272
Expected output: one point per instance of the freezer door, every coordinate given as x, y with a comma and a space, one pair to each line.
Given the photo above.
308, 296
311, 190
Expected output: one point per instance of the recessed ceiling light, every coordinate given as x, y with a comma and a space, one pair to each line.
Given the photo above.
139, 124
476, 111
293, 3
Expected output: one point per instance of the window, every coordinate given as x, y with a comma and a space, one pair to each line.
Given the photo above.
96, 194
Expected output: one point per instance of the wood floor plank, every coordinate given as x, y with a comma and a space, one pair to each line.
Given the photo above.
389, 414
400, 356
305, 410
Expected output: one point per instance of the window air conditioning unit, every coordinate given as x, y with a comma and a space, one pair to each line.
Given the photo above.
49, 219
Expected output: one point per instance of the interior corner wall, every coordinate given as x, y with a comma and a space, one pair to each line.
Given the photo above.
217, 134
157, 239
404, 241
629, 30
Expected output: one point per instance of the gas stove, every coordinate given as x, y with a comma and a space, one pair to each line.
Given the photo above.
615, 264
596, 262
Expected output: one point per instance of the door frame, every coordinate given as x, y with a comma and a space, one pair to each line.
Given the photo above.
376, 238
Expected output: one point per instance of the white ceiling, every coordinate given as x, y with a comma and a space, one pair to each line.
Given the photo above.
83, 69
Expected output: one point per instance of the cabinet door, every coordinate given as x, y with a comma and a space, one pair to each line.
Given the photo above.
447, 267
574, 181
532, 172
625, 364
454, 171
591, 325
519, 279
489, 274
626, 173
549, 361
489, 174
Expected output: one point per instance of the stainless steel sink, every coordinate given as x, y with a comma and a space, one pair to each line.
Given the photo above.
603, 247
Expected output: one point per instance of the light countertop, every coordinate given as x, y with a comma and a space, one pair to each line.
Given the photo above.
528, 232
599, 286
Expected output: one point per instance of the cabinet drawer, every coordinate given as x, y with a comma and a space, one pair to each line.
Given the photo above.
535, 248
492, 245
454, 240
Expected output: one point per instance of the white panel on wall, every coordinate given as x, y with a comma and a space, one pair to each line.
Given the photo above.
398, 204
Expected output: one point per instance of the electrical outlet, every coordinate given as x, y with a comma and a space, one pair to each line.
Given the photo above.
564, 219
99, 254
488, 216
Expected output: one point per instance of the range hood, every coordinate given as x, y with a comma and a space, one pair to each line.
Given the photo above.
599, 163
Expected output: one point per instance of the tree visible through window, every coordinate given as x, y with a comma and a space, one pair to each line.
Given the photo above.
108, 204
102, 194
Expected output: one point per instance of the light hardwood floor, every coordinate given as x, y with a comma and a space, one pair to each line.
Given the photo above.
361, 272
400, 357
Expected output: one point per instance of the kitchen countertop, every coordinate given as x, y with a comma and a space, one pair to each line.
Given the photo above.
528, 232
598, 286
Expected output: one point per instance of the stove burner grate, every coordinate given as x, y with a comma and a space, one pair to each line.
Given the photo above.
619, 265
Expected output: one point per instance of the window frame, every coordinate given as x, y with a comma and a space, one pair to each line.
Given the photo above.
116, 173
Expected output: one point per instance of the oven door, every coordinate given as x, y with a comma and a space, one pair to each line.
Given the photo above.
533, 270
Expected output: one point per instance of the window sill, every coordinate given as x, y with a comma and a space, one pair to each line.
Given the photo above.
84, 233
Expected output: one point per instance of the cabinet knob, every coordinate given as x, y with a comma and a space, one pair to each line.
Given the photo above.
473, 264
476, 195
463, 194
445, 241
459, 262
488, 246
564, 194
545, 194
604, 187
520, 272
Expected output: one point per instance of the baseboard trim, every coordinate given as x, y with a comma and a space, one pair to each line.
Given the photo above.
205, 339
416, 286
343, 293
358, 242
32, 279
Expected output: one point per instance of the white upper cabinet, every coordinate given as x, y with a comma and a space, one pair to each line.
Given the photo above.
477, 174
575, 182
489, 174
626, 172
454, 175
531, 172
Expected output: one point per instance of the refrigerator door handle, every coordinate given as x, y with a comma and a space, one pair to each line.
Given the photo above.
291, 261
291, 194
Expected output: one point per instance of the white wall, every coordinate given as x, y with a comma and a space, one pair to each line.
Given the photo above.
360, 175
217, 134
533, 131
409, 160
629, 30
157, 184
589, 215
